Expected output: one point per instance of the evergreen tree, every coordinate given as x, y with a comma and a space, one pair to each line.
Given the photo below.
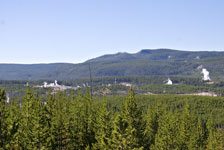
122, 138
90, 119
133, 115
5, 135
28, 126
74, 125
198, 136
48, 116
215, 140
44, 122
103, 127
13, 125
187, 125
129, 126
152, 118
60, 123
166, 137
81, 122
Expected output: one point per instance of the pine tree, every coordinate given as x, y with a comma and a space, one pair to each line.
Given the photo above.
44, 115
103, 127
187, 125
90, 119
81, 122
5, 136
215, 140
122, 138
215, 136
152, 118
133, 115
196, 141
166, 137
60, 123
74, 125
73, 95
129, 125
32, 123
78, 123
28, 122
13, 125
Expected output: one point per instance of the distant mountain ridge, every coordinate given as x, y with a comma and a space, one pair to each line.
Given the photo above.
147, 62
159, 54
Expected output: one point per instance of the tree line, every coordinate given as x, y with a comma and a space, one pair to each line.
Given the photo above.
61, 121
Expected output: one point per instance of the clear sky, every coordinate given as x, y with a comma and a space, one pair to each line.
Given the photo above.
46, 31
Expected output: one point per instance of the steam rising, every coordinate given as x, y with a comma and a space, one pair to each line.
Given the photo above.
205, 75
7, 96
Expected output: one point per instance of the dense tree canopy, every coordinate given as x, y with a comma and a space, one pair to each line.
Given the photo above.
62, 121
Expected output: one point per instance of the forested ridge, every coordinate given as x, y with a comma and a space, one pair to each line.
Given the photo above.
79, 121
159, 62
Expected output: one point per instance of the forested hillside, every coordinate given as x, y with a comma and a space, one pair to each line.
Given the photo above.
62, 121
163, 62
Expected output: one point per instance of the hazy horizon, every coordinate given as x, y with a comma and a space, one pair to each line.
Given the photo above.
99, 56
33, 32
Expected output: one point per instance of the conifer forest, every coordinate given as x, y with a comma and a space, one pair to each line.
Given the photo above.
112, 75
65, 121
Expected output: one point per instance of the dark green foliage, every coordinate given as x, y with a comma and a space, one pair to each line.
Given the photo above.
166, 137
29, 124
103, 127
151, 128
61, 121
134, 117
215, 140
4, 120
129, 126
123, 135
164, 62
9, 123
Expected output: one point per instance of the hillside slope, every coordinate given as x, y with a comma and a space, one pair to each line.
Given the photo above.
163, 62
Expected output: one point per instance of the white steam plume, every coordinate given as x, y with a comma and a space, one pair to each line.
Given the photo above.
205, 75
7, 96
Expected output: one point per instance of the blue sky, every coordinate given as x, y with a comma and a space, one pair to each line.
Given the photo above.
46, 31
